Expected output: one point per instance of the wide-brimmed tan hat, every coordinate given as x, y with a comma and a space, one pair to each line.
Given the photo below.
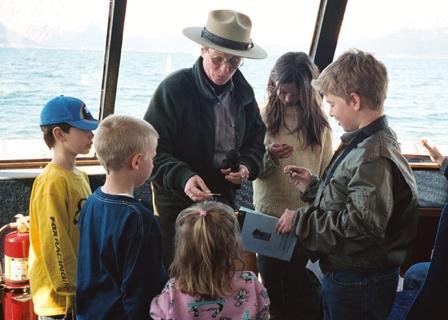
227, 31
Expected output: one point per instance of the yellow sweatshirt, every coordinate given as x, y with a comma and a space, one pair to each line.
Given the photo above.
273, 190
56, 200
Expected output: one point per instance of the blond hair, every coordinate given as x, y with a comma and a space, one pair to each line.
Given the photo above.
357, 72
208, 250
118, 137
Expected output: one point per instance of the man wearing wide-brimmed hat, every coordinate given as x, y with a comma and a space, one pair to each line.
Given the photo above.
202, 113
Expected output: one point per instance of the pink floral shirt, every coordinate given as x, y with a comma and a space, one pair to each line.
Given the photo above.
250, 301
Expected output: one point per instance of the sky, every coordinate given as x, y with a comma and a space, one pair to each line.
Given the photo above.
274, 22
381, 17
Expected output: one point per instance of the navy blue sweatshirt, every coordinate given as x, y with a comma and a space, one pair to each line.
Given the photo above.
119, 262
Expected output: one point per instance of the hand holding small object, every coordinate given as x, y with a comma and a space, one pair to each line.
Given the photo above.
300, 176
280, 151
196, 189
236, 177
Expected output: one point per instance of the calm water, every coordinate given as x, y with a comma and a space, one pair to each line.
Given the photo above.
416, 104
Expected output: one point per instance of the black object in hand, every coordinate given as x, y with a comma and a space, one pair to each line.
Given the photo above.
232, 160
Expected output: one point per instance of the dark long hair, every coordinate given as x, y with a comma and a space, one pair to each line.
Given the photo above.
296, 68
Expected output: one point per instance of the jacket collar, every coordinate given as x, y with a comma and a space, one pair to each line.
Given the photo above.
370, 129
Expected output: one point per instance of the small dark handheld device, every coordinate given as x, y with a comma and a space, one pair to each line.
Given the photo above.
232, 160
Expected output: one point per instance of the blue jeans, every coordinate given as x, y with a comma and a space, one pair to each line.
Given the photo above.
415, 276
359, 296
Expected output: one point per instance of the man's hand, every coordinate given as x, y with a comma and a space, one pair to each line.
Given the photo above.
299, 175
280, 151
196, 189
284, 224
236, 177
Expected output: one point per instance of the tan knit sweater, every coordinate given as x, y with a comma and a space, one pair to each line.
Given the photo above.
273, 190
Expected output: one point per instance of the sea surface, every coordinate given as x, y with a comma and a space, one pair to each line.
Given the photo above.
417, 103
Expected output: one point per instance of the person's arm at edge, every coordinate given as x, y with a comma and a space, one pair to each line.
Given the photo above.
269, 164
60, 257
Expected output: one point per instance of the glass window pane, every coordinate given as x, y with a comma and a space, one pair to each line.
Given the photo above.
154, 45
50, 47
410, 37
47, 48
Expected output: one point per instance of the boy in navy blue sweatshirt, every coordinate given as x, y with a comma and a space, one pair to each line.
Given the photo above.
120, 261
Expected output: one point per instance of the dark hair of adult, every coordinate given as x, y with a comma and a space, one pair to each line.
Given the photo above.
296, 68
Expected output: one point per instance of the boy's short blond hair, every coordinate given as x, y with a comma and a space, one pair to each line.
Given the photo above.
357, 72
119, 137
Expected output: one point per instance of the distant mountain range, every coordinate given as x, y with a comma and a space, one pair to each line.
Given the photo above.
11, 39
45, 37
433, 42
91, 38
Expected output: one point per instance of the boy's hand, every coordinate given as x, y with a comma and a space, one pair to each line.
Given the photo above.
284, 224
280, 151
300, 176
196, 189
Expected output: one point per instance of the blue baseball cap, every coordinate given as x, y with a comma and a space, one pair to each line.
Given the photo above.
64, 109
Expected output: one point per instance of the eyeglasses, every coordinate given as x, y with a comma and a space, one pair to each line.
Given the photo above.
233, 62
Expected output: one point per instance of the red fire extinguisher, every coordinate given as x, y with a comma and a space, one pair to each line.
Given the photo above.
17, 303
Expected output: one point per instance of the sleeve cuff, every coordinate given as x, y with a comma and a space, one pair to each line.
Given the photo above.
269, 159
310, 192
294, 221
184, 178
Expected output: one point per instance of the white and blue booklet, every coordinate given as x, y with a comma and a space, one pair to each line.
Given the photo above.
259, 235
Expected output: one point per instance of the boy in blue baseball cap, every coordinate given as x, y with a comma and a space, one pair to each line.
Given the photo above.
56, 199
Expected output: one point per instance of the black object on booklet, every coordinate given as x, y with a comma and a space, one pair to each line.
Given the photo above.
259, 235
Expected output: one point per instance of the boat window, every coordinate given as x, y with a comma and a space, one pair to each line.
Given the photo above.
47, 48
410, 37
154, 46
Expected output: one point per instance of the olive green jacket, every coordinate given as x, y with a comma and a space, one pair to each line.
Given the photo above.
365, 218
